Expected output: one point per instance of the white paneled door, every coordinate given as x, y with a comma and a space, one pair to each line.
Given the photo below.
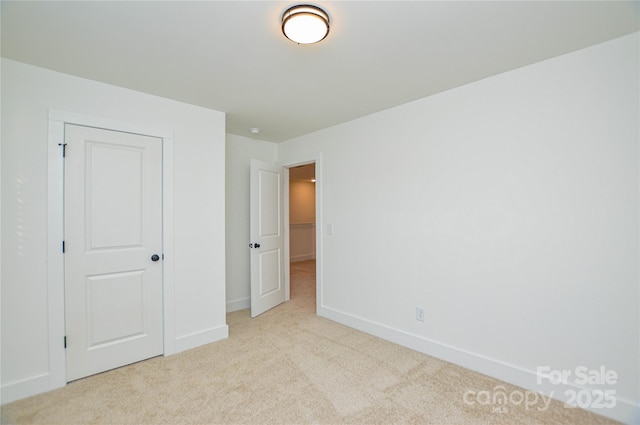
267, 236
113, 249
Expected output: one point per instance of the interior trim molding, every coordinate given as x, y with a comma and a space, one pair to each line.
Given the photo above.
196, 339
305, 257
239, 304
25, 388
624, 411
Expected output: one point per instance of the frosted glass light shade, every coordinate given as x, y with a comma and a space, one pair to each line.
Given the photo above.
305, 24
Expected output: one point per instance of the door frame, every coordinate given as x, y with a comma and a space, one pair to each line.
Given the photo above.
55, 232
315, 158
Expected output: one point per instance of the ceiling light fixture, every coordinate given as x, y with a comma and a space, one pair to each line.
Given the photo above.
305, 24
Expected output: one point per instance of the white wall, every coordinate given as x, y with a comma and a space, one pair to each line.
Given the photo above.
28, 93
302, 202
302, 219
508, 209
239, 152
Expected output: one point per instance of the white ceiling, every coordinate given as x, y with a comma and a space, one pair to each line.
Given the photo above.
231, 56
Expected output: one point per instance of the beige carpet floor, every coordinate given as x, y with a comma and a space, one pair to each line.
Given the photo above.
288, 366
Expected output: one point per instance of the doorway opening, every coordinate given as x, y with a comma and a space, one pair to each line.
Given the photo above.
302, 234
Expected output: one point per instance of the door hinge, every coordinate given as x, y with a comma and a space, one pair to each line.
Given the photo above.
63, 247
64, 149
65, 341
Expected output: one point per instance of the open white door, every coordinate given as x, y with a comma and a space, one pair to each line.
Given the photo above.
267, 236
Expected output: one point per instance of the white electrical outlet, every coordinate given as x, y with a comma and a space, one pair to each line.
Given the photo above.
420, 314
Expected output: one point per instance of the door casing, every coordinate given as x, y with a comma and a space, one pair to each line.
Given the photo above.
55, 233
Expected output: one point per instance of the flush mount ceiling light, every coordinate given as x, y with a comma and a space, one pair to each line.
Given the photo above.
305, 24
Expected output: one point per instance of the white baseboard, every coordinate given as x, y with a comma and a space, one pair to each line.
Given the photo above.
302, 258
42, 383
624, 411
241, 304
25, 388
197, 339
